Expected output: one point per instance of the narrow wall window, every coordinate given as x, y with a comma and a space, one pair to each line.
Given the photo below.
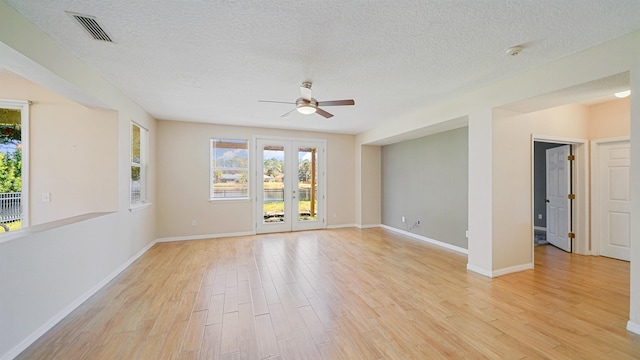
229, 169
138, 165
14, 121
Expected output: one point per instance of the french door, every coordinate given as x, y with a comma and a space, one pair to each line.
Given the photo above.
290, 185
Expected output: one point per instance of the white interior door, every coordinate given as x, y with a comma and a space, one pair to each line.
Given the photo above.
290, 185
558, 203
614, 205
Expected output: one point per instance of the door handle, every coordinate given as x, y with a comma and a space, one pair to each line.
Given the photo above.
546, 200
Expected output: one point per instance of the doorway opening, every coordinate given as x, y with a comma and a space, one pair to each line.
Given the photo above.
553, 186
559, 193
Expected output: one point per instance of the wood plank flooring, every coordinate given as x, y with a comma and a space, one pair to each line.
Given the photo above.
346, 294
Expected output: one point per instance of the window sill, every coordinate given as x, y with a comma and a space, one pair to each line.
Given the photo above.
242, 199
138, 207
31, 230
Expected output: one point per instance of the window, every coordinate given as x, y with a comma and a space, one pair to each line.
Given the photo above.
14, 168
138, 165
229, 169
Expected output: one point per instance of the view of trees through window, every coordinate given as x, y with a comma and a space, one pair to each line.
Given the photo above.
10, 169
273, 187
307, 183
138, 184
229, 169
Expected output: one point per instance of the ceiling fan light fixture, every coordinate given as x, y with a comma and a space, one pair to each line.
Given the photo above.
306, 107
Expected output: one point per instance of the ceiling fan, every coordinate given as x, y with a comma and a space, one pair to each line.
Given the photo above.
305, 104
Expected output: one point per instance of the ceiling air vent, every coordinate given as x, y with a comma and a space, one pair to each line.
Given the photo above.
91, 25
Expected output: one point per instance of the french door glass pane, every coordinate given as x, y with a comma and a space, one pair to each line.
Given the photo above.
273, 184
307, 184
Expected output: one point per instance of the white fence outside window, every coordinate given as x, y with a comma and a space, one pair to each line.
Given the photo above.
10, 208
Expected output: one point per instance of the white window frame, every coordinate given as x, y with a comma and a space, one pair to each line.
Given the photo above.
144, 144
212, 170
23, 106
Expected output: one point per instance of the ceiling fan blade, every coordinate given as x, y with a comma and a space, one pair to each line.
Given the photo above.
336, 103
287, 113
323, 113
277, 102
305, 90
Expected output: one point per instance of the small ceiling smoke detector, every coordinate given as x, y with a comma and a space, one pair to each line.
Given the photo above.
514, 51
622, 94
91, 25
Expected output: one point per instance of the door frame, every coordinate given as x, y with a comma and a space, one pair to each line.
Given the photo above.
595, 187
581, 187
322, 158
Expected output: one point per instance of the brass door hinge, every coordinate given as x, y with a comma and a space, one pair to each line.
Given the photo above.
571, 236
572, 196
571, 157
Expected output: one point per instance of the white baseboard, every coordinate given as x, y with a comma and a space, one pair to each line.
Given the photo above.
368, 226
77, 302
479, 270
340, 226
633, 327
496, 273
426, 239
511, 269
203, 237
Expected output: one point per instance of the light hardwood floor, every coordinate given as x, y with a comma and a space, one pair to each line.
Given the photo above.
346, 294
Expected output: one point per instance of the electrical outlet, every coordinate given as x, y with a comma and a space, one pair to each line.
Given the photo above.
46, 197
194, 223
403, 219
539, 216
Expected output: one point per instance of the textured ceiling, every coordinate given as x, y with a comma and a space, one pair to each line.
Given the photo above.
211, 61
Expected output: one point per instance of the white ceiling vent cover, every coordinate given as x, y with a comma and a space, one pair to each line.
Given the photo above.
91, 25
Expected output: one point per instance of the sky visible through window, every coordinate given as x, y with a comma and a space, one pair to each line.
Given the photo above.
8, 148
279, 155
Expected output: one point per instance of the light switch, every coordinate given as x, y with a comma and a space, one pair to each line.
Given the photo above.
46, 197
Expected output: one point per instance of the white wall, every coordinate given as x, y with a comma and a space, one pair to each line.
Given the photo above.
371, 186
48, 269
183, 180
479, 246
609, 119
512, 177
512, 168
66, 141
